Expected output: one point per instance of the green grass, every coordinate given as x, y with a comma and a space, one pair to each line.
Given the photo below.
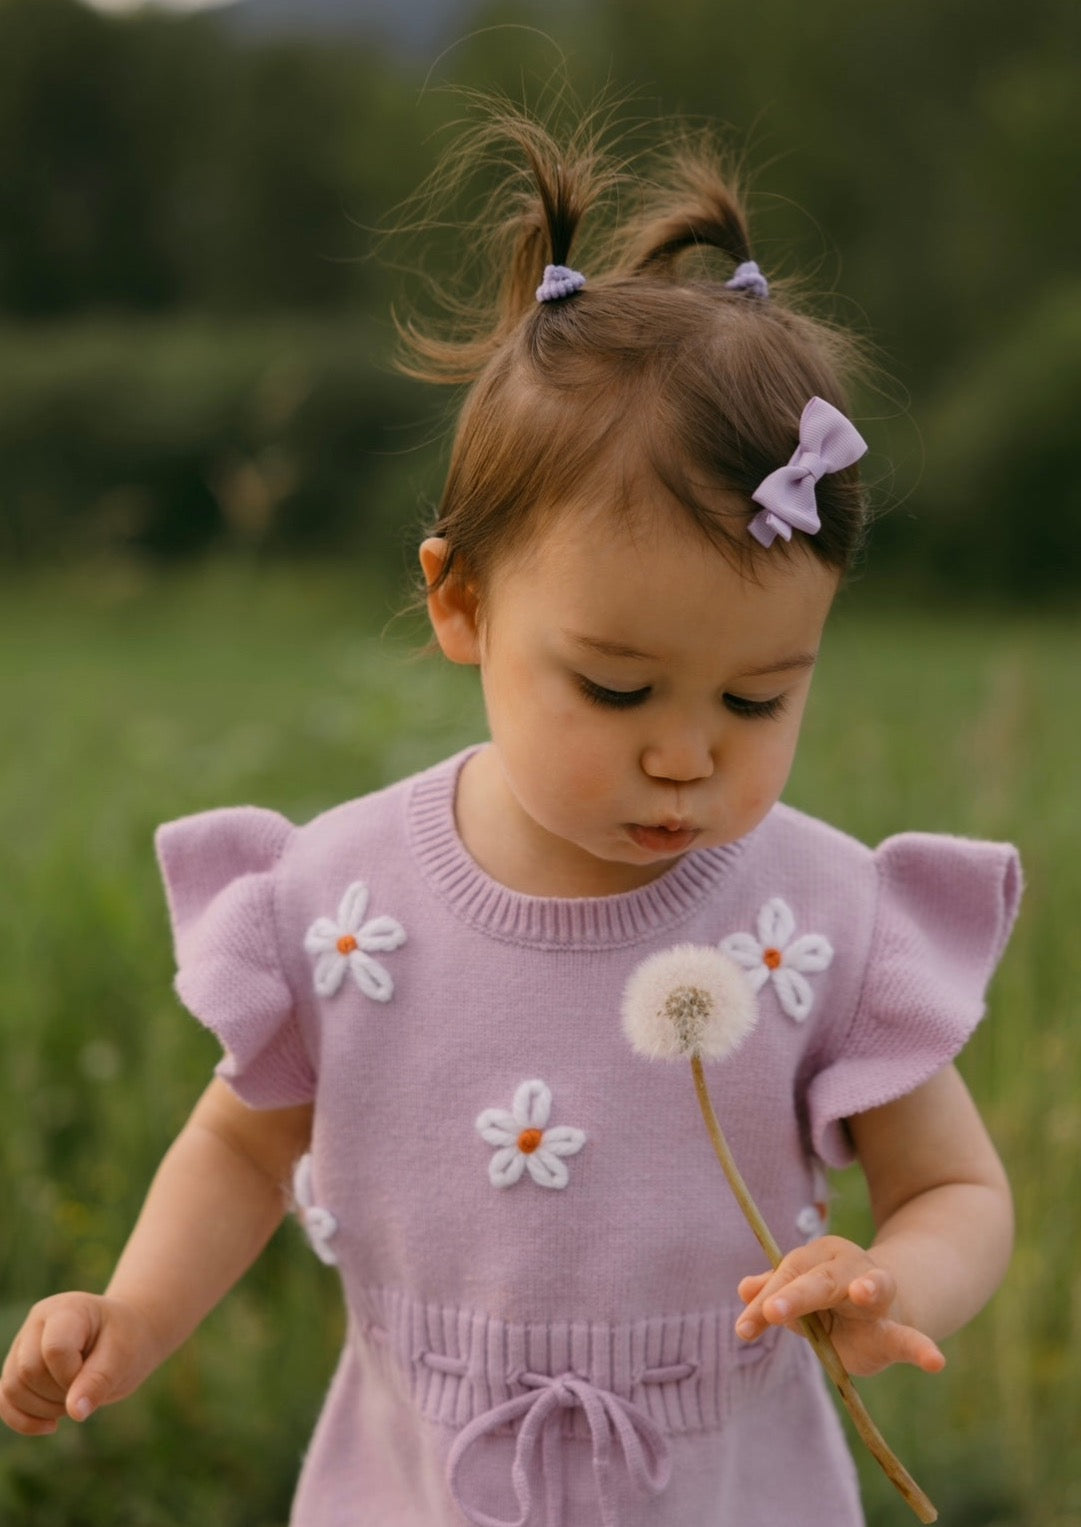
127, 700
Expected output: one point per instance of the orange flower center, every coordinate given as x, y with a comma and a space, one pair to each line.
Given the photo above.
529, 1139
346, 944
772, 958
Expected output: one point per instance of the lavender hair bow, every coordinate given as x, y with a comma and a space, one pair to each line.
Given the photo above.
828, 442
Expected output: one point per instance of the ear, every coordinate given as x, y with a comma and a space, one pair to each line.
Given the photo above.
452, 607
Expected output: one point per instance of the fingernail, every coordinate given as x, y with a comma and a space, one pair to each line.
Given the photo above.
82, 1408
779, 1307
745, 1328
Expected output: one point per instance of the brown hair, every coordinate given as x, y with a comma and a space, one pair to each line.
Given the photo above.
650, 374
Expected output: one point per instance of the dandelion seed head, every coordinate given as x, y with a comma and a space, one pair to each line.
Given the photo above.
688, 1000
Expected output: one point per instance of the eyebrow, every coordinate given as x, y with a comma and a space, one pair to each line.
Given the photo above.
786, 665
609, 649
619, 649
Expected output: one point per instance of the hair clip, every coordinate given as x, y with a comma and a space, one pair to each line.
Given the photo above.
559, 281
748, 278
828, 442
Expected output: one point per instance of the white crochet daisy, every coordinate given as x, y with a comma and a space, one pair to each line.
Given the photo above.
348, 943
775, 956
524, 1141
811, 1221
320, 1226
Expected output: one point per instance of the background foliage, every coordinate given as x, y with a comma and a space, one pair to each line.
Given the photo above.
186, 216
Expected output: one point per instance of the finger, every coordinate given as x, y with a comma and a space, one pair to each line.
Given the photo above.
767, 1303
751, 1322
22, 1422
869, 1348
25, 1378
66, 1336
21, 1408
755, 1290
907, 1345
21, 1390
874, 1292
817, 1289
750, 1287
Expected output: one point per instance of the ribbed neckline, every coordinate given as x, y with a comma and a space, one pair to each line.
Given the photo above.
550, 922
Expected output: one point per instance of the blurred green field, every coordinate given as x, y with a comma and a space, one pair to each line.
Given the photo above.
127, 700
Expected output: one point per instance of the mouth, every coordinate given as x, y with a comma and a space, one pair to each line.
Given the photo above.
664, 839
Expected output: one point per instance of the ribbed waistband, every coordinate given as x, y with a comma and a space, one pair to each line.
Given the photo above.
686, 1372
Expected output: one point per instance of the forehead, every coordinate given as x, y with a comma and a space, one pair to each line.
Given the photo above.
652, 583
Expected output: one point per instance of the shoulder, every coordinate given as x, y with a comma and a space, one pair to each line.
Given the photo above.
210, 852
943, 909
382, 814
939, 880
378, 822
803, 847
376, 817
354, 868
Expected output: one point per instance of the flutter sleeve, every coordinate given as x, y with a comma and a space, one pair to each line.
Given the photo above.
219, 870
945, 907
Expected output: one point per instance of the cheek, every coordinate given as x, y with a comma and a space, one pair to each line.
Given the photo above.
546, 732
765, 765
569, 760
574, 760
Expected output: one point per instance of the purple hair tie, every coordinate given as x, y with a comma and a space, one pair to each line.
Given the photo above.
828, 442
559, 281
748, 278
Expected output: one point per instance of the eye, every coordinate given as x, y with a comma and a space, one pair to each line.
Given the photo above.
755, 710
614, 699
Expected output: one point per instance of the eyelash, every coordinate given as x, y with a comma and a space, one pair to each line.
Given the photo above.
613, 699
627, 699
755, 710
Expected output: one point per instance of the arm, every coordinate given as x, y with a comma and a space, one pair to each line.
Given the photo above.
216, 1199
941, 1203
944, 1230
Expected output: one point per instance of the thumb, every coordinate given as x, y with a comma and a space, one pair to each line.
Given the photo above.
91, 1389
103, 1371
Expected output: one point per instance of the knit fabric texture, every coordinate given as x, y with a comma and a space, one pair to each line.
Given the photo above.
538, 1251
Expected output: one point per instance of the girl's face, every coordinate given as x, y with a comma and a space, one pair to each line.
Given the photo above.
643, 699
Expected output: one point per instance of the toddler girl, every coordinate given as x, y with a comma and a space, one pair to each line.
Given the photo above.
557, 1314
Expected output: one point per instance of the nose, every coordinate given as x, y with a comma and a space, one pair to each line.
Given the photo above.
679, 752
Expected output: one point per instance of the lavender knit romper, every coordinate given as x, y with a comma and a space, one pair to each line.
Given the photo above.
538, 1251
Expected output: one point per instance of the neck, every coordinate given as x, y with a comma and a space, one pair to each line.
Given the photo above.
518, 853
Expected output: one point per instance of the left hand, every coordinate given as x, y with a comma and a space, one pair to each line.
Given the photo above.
856, 1298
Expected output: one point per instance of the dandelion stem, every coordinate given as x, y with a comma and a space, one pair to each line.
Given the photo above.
811, 1325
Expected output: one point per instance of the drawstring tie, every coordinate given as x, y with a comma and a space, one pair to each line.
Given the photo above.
610, 1419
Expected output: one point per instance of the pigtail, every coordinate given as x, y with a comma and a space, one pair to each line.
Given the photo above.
550, 210
695, 203
549, 188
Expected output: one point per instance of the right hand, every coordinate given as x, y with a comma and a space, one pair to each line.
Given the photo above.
74, 1353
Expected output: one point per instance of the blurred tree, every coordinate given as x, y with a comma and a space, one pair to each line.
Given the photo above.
937, 147
1002, 449
149, 162
157, 164
271, 184
79, 164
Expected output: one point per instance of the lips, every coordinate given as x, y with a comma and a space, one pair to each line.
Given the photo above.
662, 840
